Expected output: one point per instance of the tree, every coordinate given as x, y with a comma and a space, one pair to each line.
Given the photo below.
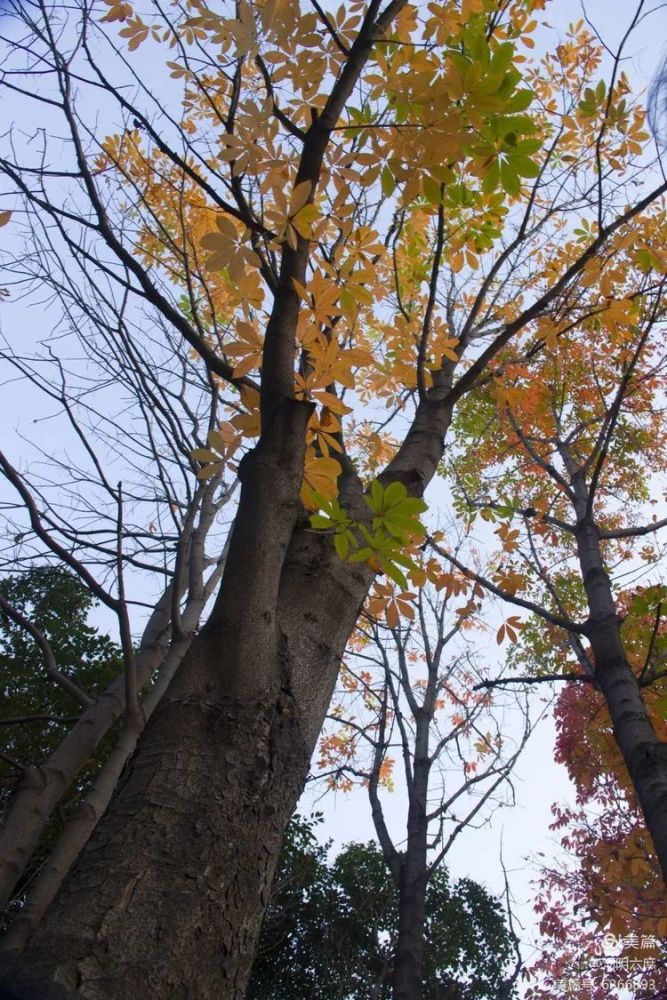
583, 453
316, 205
408, 694
608, 891
606, 900
47, 610
330, 929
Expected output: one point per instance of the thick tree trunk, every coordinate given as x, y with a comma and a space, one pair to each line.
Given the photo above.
167, 897
163, 903
644, 754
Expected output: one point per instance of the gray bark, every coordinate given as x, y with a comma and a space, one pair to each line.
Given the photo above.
413, 880
644, 754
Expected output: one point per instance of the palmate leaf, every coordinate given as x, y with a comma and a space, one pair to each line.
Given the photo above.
393, 527
395, 511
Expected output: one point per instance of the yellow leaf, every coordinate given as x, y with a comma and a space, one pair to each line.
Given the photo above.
303, 220
300, 196
209, 470
391, 614
222, 438
376, 606
245, 366
335, 404
291, 238
5, 217
321, 474
203, 455
358, 357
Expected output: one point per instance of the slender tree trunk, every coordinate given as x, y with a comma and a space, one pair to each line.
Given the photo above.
644, 754
409, 956
41, 788
44, 886
167, 897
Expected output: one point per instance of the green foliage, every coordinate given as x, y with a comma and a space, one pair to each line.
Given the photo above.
329, 929
593, 100
58, 605
395, 524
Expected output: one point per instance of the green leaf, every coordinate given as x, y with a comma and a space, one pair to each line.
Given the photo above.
394, 494
361, 555
404, 560
521, 124
643, 261
387, 182
394, 573
402, 526
413, 505
342, 545
519, 101
491, 178
376, 495
509, 178
528, 146
501, 60
432, 191
320, 521
524, 166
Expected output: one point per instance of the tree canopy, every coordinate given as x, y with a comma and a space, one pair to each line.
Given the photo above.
329, 929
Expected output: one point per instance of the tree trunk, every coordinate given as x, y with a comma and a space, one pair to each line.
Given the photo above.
644, 754
167, 898
408, 976
162, 902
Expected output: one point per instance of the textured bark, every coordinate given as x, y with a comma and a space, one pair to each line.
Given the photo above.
162, 903
166, 899
644, 754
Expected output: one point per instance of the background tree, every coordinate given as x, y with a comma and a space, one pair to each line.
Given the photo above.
584, 457
608, 882
330, 929
47, 610
325, 209
407, 695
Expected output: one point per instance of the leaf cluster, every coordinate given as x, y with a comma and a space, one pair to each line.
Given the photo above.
393, 526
